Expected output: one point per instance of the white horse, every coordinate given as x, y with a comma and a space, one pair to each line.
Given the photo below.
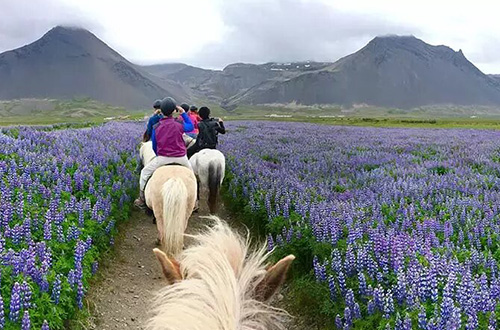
218, 283
209, 166
171, 195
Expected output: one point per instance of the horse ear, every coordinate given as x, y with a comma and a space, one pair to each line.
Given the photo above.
170, 267
274, 278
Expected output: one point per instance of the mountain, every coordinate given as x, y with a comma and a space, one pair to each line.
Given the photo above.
222, 85
495, 77
390, 71
393, 71
71, 62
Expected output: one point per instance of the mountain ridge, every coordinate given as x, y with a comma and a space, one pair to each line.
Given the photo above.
390, 71
72, 62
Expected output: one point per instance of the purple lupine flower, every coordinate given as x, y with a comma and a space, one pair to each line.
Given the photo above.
79, 295
455, 321
407, 324
95, 267
332, 287
2, 313
362, 283
347, 318
371, 307
270, 242
472, 322
338, 322
356, 311
44, 284
26, 295
342, 284
15, 302
110, 227
26, 323
47, 231
60, 233
349, 299
400, 291
398, 323
388, 304
378, 297
56, 289
493, 320
319, 270
45, 325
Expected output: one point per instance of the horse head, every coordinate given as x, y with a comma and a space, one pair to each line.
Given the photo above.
218, 283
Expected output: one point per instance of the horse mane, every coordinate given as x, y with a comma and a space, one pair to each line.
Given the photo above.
220, 274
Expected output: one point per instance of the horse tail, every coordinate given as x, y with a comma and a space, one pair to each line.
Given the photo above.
214, 179
175, 198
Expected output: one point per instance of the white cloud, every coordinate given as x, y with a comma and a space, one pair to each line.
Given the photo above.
217, 32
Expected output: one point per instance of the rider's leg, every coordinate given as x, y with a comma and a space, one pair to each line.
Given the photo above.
183, 161
192, 150
139, 166
146, 173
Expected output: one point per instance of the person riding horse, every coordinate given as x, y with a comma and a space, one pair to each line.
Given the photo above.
168, 144
209, 128
195, 118
153, 120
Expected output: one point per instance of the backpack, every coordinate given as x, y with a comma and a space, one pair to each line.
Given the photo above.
207, 137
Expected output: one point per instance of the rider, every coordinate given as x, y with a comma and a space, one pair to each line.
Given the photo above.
153, 120
209, 129
147, 134
195, 119
168, 144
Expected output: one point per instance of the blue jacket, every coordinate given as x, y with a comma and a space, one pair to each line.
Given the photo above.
187, 127
151, 122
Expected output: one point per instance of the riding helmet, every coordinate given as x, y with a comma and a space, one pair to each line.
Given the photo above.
185, 107
157, 104
168, 106
193, 108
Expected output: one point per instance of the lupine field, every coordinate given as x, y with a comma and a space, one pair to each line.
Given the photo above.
395, 228
61, 195
400, 227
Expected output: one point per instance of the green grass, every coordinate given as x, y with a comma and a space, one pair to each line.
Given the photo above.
42, 112
48, 111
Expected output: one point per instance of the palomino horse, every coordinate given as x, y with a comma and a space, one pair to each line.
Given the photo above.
218, 283
209, 166
171, 195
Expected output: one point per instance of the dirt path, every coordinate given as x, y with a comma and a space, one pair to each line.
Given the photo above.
121, 298
127, 282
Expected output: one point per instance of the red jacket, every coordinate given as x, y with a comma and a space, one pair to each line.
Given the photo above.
195, 119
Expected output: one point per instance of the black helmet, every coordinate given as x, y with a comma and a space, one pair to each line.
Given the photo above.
157, 104
168, 106
204, 112
185, 107
193, 108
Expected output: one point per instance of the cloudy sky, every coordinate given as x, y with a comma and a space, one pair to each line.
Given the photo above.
214, 33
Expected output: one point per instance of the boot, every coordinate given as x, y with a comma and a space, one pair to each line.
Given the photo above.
139, 167
141, 201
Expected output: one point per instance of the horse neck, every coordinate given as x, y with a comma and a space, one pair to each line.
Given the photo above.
220, 282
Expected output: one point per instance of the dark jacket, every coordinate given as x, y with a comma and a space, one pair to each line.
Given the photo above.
208, 131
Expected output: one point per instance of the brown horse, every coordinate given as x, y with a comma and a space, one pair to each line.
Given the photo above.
218, 283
